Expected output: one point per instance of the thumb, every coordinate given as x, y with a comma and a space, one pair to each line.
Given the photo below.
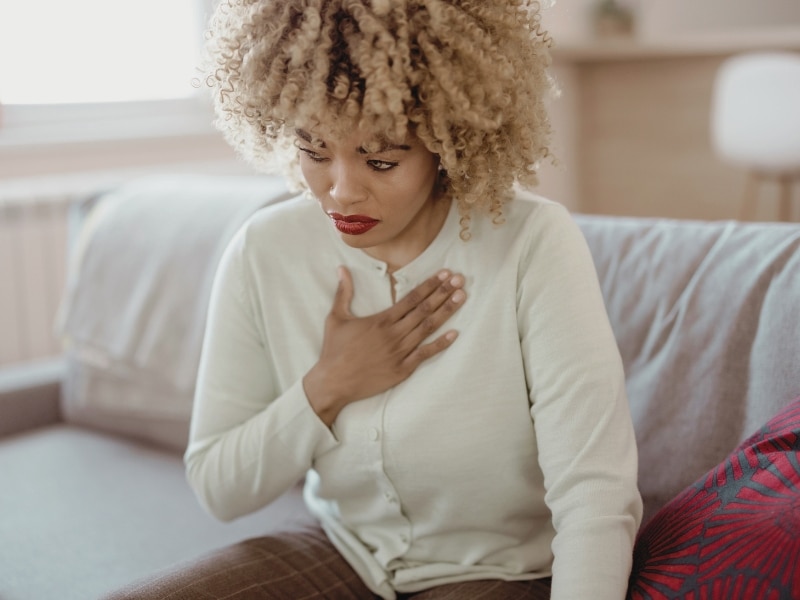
344, 293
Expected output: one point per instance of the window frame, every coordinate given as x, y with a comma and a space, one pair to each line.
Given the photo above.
27, 126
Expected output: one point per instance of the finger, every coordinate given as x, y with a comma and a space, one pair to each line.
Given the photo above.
410, 301
344, 294
426, 351
434, 310
419, 294
428, 325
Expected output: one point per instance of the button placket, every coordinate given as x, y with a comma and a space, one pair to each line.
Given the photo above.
401, 284
394, 520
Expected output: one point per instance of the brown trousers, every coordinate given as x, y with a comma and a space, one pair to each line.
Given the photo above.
298, 565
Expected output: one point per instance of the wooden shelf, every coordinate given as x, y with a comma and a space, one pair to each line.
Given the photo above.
689, 45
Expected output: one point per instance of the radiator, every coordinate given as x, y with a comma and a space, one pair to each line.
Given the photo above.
33, 248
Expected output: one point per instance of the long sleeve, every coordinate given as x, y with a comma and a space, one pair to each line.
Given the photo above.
250, 441
587, 448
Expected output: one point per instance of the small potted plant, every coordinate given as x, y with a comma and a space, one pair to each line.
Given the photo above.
612, 18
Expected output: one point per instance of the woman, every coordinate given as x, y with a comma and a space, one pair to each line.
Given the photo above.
422, 341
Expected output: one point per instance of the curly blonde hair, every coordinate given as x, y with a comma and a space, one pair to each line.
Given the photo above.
468, 77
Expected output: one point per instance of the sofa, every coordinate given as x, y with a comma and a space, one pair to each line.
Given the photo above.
92, 487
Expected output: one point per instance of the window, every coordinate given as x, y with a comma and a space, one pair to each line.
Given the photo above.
88, 69
58, 52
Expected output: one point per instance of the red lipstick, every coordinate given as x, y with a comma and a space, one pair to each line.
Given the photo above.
353, 224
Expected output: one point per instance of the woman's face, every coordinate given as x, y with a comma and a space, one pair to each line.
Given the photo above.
380, 196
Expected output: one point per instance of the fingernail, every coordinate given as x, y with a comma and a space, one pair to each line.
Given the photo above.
340, 273
458, 296
443, 275
451, 335
457, 281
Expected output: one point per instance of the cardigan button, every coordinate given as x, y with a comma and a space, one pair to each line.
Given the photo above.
373, 434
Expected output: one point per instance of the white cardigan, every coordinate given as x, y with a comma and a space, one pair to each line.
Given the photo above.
511, 455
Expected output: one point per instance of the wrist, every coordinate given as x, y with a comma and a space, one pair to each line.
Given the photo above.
321, 395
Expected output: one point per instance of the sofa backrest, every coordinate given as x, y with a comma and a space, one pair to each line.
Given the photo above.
707, 318
142, 260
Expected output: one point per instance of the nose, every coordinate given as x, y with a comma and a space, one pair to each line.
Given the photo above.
346, 186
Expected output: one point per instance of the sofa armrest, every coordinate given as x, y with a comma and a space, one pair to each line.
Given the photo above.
29, 395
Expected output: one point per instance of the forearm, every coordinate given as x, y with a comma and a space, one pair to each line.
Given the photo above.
243, 468
593, 559
589, 458
322, 397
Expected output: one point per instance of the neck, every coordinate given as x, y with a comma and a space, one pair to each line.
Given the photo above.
399, 256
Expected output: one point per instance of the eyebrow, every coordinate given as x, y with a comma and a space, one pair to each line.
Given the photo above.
384, 146
306, 137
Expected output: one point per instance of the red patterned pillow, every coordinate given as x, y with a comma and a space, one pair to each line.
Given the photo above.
735, 533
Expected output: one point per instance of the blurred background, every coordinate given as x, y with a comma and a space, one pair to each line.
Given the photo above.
94, 92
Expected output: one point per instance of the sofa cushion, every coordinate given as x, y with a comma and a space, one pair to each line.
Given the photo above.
84, 513
734, 533
705, 316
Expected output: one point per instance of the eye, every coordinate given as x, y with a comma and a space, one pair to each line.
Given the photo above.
381, 165
312, 155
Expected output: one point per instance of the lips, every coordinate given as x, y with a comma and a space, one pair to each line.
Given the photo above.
352, 224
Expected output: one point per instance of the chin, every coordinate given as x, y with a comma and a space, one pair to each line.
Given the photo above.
358, 241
